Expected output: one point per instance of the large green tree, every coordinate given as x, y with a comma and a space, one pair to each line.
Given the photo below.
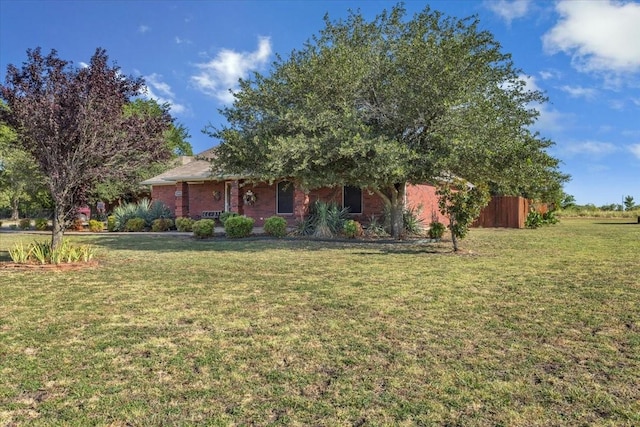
72, 121
20, 180
388, 102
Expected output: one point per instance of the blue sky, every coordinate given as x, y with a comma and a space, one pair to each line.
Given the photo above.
585, 55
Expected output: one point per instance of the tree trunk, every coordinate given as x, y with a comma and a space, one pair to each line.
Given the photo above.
454, 238
395, 200
58, 227
15, 212
397, 211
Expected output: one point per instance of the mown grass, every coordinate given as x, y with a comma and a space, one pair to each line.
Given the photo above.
526, 327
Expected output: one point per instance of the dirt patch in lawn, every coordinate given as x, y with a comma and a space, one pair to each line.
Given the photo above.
12, 266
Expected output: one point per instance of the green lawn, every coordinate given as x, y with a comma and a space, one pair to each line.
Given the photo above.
526, 327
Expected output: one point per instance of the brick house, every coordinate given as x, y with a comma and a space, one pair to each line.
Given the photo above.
191, 190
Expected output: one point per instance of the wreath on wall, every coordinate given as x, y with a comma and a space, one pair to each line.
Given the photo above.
249, 198
217, 195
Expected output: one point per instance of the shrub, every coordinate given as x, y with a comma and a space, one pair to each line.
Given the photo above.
275, 226
226, 215
134, 224
238, 226
535, 219
436, 230
95, 225
24, 224
375, 228
162, 224
111, 223
145, 209
203, 228
184, 224
77, 225
41, 224
352, 229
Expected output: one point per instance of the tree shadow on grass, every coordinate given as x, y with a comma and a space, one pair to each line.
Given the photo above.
178, 243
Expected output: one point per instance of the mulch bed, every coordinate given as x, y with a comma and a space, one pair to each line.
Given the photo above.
71, 266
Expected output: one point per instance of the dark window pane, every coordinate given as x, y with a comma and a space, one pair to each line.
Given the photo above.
285, 197
353, 199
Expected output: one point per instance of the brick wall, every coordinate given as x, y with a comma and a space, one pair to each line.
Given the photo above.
166, 195
201, 198
423, 198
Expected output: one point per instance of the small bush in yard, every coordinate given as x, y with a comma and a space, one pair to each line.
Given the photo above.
111, 223
184, 224
352, 229
25, 224
134, 224
436, 230
238, 226
275, 226
224, 216
203, 228
95, 226
41, 224
162, 224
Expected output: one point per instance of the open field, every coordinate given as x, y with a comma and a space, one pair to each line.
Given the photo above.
526, 327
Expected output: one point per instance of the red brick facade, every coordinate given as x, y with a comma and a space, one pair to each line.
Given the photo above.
192, 199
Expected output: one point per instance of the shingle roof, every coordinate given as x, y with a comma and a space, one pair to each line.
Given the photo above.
196, 168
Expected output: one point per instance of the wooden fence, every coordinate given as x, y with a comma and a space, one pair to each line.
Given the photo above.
505, 211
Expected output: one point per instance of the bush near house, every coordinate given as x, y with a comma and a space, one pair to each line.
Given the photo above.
135, 225
145, 209
184, 224
24, 224
95, 226
226, 215
275, 226
238, 227
203, 228
436, 230
111, 223
352, 229
161, 224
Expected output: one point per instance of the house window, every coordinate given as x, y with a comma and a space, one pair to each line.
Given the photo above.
352, 199
284, 194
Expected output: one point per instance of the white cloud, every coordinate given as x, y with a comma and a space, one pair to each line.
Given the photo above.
635, 150
221, 74
579, 91
590, 148
617, 104
550, 74
182, 41
83, 64
600, 36
508, 10
551, 120
144, 29
161, 92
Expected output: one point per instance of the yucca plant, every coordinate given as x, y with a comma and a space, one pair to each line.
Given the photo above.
145, 209
325, 220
